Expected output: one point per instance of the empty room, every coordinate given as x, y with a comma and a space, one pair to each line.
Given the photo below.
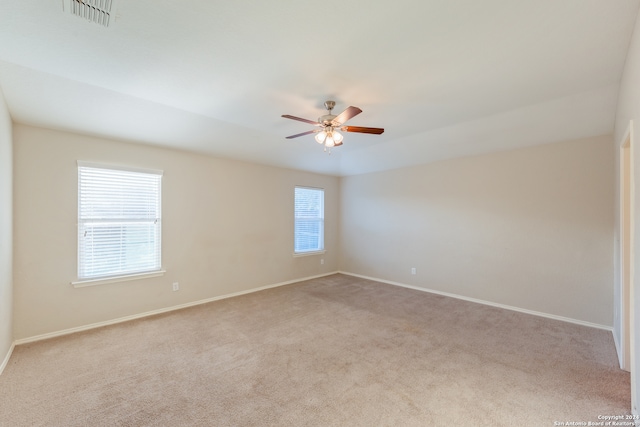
325, 214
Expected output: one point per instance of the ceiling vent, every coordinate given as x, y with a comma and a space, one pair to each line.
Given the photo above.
97, 11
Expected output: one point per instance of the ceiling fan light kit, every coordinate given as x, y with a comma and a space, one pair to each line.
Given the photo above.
329, 125
329, 137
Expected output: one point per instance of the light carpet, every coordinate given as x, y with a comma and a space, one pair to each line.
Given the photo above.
333, 351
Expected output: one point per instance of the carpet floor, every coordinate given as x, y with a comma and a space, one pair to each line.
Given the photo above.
333, 351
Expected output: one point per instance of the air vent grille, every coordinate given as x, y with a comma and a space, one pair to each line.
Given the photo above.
97, 11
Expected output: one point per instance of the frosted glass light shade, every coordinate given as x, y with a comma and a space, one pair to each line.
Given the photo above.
329, 142
337, 137
320, 137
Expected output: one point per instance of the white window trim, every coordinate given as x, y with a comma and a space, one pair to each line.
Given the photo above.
125, 277
307, 253
312, 252
117, 279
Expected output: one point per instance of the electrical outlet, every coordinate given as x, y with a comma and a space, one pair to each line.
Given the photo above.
321, 261
176, 286
413, 270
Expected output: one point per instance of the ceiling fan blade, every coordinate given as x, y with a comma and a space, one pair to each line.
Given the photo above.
360, 129
287, 116
346, 115
303, 134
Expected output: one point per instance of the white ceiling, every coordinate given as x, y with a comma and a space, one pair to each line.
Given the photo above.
445, 78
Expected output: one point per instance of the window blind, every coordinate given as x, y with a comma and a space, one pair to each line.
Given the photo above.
119, 229
309, 219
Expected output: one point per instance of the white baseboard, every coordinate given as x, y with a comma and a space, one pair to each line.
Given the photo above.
204, 301
479, 301
159, 311
5, 362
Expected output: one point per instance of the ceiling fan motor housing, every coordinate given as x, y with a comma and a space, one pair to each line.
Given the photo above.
326, 119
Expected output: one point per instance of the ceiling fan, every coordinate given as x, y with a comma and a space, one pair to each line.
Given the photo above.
328, 125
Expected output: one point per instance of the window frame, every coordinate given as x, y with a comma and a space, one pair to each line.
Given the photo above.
321, 250
119, 276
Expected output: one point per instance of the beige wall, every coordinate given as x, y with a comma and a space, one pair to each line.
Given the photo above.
530, 228
6, 245
227, 227
629, 110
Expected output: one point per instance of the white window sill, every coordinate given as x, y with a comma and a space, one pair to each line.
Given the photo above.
299, 254
116, 279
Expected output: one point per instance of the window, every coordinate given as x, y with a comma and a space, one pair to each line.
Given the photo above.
309, 220
118, 222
